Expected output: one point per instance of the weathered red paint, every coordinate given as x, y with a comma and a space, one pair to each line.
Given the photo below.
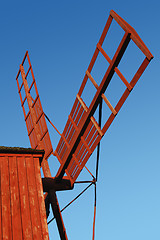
23, 214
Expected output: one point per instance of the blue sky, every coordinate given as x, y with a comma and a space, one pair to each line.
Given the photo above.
61, 38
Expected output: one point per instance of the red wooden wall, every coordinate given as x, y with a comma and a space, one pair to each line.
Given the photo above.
22, 208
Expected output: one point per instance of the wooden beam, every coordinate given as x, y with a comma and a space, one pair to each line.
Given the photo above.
94, 104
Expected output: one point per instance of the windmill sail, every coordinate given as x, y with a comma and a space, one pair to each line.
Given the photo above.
82, 133
33, 112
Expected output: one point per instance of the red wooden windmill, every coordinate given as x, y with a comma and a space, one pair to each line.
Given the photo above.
82, 132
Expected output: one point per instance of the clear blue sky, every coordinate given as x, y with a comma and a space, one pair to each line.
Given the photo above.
61, 37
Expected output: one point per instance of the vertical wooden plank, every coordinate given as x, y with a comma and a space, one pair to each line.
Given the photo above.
33, 200
41, 199
15, 201
5, 195
0, 203
24, 199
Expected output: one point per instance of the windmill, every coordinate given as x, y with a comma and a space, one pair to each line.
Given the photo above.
83, 132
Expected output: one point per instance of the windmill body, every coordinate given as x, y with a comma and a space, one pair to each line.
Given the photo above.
83, 131
23, 214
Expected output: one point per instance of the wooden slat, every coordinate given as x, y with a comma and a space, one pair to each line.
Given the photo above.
88, 131
106, 28
67, 129
63, 151
23, 101
40, 115
81, 147
59, 146
20, 88
17, 75
32, 74
73, 131
104, 53
81, 150
41, 199
24, 57
28, 71
82, 103
92, 80
77, 162
116, 69
79, 116
103, 96
5, 196
73, 166
33, 139
25, 206
92, 118
62, 142
73, 123
15, 201
33, 199
109, 104
76, 155
63, 137
84, 155
86, 145
128, 85
70, 133
82, 164
93, 136
126, 93
97, 126
74, 126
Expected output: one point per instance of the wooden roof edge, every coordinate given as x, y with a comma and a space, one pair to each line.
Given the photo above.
21, 150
